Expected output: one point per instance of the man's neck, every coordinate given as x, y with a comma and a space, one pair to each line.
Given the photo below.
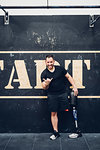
52, 70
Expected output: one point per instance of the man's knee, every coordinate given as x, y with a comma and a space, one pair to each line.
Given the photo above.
53, 114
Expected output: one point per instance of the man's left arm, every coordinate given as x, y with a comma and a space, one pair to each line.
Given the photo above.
71, 80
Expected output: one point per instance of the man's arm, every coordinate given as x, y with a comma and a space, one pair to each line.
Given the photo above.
45, 83
71, 80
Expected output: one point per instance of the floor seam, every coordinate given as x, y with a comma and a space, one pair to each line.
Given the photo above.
7, 143
86, 143
34, 143
60, 144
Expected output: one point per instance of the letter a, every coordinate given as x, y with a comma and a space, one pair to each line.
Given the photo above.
22, 76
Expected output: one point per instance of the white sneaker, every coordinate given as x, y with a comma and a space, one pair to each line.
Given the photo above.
54, 136
74, 135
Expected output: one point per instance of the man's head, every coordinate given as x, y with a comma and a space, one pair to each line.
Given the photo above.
50, 62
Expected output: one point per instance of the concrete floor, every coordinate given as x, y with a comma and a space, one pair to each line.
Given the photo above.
33, 141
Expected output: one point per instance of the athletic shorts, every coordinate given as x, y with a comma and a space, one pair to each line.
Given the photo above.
58, 103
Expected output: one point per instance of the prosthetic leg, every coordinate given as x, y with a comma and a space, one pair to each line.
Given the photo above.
73, 103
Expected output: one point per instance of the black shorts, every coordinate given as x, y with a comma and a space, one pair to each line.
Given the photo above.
58, 103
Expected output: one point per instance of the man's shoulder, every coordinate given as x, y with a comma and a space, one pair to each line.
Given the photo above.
59, 67
44, 71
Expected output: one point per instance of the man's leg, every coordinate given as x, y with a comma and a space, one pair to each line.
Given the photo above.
54, 121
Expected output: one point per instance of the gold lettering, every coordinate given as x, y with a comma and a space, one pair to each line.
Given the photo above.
22, 76
77, 70
67, 62
40, 66
1, 64
87, 62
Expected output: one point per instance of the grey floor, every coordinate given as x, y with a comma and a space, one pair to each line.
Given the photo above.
41, 142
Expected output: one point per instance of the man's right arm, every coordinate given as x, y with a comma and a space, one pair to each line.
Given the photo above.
45, 83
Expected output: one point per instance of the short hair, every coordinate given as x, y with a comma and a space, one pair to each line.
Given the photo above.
48, 56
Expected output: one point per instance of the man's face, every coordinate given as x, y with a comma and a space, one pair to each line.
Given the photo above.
49, 63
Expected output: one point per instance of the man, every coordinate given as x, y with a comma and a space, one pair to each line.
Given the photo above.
53, 80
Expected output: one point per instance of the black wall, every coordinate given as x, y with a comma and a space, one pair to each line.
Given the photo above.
48, 33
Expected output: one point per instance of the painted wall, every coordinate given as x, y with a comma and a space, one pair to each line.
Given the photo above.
49, 2
23, 46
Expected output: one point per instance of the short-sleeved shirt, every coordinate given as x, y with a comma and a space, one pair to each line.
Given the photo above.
58, 83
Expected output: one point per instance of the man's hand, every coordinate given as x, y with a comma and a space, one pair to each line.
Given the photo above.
75, 91
46, 82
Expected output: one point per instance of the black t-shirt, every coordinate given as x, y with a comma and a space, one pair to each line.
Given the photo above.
58, 83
